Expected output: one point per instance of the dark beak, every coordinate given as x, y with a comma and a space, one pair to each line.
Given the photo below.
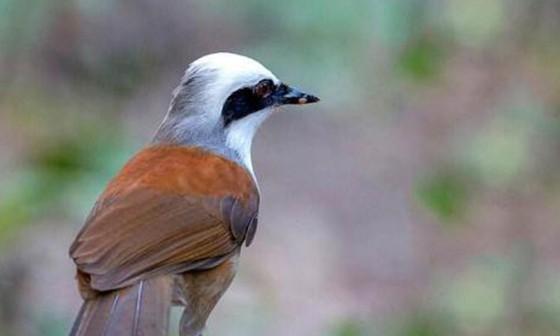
287, 95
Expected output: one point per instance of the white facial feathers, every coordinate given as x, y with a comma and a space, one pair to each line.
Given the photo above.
240, 133
236, 72
195, 116
195, 113
224, 73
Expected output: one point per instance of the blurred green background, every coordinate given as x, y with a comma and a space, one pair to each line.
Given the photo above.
421, 197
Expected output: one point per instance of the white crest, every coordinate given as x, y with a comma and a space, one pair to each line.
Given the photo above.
233, 68
226, 73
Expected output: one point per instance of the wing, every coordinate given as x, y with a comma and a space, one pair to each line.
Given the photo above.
158, 218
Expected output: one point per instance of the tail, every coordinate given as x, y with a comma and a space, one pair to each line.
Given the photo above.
142, 309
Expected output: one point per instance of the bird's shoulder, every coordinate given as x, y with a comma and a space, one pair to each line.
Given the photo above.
181, 170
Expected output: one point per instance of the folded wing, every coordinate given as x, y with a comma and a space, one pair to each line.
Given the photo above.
168, 216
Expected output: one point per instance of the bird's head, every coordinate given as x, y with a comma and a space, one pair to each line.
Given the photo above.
222, 100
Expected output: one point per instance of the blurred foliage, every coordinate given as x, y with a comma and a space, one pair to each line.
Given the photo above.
48, 325
468, 89
499, 154
477, 22
352, 328
63, 175
423, 325
422, 59
477, 298
445, 194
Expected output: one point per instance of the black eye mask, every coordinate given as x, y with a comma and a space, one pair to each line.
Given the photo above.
243, 102
248, 100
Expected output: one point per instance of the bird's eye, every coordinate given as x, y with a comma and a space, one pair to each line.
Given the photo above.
264, 88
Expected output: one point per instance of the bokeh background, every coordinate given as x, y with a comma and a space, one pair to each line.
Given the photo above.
421, 197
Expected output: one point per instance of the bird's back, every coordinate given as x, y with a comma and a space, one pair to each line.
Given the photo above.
171, 210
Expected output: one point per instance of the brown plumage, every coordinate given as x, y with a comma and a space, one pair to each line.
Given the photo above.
167, 228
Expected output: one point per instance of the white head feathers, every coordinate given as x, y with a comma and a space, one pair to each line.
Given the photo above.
194, 116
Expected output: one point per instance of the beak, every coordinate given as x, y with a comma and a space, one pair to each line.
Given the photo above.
287, 95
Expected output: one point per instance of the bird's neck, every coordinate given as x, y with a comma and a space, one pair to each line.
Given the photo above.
234, 145
233, 142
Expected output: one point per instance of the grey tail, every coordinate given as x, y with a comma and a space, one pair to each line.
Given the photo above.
141, 309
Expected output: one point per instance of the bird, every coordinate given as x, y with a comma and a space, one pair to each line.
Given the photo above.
169, 226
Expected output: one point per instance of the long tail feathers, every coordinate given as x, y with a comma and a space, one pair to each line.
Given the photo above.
142, 309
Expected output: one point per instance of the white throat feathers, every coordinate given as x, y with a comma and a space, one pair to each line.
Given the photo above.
240, 134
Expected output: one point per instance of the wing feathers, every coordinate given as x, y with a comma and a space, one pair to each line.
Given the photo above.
139, 230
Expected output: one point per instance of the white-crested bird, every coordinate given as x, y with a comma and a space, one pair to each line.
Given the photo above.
168, 228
